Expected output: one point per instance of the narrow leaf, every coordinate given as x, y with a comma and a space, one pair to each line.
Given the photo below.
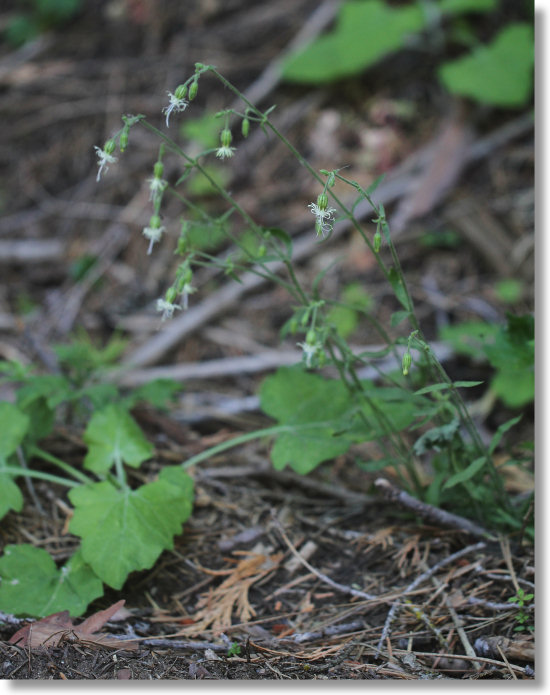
466, 474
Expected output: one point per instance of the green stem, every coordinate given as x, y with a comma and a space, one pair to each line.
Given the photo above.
26, 473
44, 455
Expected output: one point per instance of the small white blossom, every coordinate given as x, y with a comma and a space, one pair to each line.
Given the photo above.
177, 104
167, 308
224, 152
103, 160
154, 235
324, 218
156, 188
186, 291
310, 350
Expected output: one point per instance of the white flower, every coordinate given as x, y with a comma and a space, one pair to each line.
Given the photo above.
167, 308
156, 188
176, 104
223, 152
324, 218
154, 235
103, 160
185, 292
310, 350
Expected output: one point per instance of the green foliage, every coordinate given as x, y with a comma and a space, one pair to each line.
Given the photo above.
509, 291
500, 74
33, 585
510, 349
38, 16
112, 436
522, 600
122, 529
366, 31
346, 316
313, 409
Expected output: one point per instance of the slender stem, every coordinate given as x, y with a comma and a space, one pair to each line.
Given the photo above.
39, 475
78, 475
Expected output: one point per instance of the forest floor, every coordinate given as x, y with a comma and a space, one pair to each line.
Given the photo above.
276, 576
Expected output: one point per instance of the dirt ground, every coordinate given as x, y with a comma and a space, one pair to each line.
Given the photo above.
276, 576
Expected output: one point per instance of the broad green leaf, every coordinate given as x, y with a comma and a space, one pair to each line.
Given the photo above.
466, 474
314, 410
33, 585
500, 73
112, 434
501, 431
14, 428
14, 425
126, 530
365, 32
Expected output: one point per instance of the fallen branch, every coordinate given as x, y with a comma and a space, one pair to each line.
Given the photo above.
429, 512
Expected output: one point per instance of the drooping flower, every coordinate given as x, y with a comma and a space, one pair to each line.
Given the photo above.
153, 232
105, 157
156, 188
324, 216
225, 151
167, 308
177, 102
311, 348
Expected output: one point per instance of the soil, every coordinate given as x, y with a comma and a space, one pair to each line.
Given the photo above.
343, 609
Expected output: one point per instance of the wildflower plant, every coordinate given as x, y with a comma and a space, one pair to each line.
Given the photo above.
415, 415
419, 420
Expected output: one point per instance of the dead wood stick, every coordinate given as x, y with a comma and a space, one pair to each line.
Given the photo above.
323, 577
422, 578
429, 512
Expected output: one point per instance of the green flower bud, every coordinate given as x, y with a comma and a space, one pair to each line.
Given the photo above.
322, 201
158, 170
110, 146
407, 361
226, 137
123, 140
293, 325
193, 89
180, 92
377, 241
155, 222
262, 251
171, 294
311, 337
245, 127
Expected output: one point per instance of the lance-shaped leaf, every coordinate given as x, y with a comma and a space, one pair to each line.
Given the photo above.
126, 530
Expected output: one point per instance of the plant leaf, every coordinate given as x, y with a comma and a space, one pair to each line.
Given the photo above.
112, 434
444, 386
32, 585
500, 73
365, 32
495, 441
466, 474
126, 530
314, 410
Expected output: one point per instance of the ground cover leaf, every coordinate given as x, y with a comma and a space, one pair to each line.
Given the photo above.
365, 32
126, 530
14, 428
113, 435
500, 73
33, 585
314, 410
